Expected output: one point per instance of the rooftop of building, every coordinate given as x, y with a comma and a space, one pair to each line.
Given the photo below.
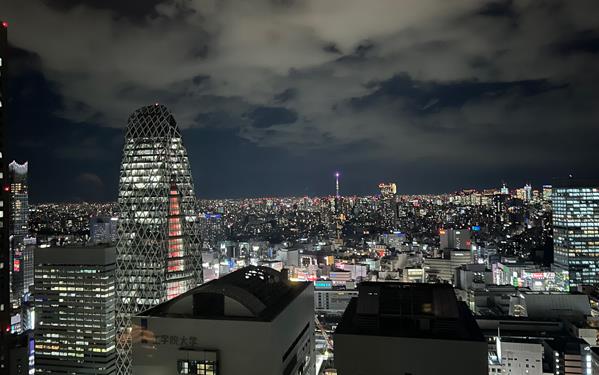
394, 309
151, 121
75, 255
251, 293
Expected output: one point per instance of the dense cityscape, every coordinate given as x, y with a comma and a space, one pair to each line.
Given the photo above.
496, 280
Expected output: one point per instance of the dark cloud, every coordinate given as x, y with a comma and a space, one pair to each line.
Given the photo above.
285, 95
332, 48
586, 41
428, 97
383, 89
133, 9
498, 8
264, 117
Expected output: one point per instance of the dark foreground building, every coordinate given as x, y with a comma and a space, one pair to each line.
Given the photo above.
252, 321
5, 335
408, 329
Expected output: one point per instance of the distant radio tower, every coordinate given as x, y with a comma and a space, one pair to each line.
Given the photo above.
337, 184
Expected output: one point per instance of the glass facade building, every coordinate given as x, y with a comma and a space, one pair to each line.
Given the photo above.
19, 216
576, 230
19, 199
159, 248
74, 293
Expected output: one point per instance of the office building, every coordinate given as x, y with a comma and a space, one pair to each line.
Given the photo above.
103, 230
473, 276
397, 328
329, 299
519, 357
19, 216
4, 211
212, 228
19, 198
455, 239
290, 257
21, 282
547, 189
74, 294
444, 268
251, 321
576, 229
525, 193
388, 190
571, 356
158, 250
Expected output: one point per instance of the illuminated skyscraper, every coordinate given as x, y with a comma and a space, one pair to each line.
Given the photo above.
19, 199
527, 193
159, 249
74, 301
547, 193
576, 229
388, 190
4, 209
19, 215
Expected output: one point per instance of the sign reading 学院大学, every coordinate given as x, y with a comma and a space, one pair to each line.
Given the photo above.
176, 340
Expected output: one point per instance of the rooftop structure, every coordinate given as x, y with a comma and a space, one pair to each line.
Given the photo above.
252, 293
251, 321
407, 324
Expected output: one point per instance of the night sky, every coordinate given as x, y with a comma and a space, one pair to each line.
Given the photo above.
274, 96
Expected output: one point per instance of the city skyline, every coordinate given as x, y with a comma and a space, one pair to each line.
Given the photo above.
436, 99
372, 191
301, 187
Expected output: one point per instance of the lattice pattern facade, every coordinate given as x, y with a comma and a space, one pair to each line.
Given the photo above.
159, 249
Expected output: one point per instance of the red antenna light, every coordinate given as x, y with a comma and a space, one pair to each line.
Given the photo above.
5, 24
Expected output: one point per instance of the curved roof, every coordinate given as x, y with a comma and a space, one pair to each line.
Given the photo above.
18, 168
152, 121
252, 292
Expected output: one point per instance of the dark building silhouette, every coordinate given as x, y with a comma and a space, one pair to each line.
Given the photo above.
399, 328
5, 334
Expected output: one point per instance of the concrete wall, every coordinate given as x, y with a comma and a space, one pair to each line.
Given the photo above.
243, 347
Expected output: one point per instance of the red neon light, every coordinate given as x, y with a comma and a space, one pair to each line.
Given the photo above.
5, 24
7, 188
